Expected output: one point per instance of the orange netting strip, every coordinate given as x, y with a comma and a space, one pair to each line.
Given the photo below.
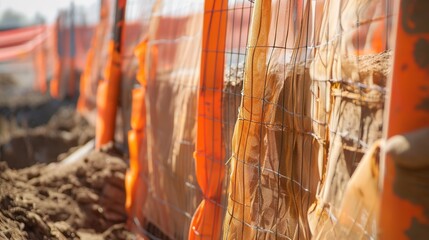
210, 152
107, 98
135, 192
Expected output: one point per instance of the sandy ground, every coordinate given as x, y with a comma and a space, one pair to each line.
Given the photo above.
23, 145
44, 197
82, 200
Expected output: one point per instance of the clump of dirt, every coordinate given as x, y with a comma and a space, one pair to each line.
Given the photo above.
7, 80
80, 200
23, 146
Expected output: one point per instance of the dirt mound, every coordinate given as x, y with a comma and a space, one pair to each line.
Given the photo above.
25, 146
7, 80
80, 200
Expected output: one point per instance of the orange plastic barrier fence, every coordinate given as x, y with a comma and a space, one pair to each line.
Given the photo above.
54, 87
108, 89
90, 76
404, 205
27, 44
82, 103
294, 145
209, 155
40, 65
70, 44
107, 98
167, 193
18, 42
135, 193
19, 36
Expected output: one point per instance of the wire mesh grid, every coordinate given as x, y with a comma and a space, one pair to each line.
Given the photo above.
238, 17
136, 26
97, 55
302, 104
312, 104
173, 58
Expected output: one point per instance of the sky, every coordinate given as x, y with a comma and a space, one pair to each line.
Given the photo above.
48, 8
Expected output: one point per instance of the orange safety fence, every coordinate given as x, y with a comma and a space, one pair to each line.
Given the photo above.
136, 193
210, 151
95, 60
311, 107
239, 131
70, 44
108, 90
19, 36
40, 64
107, 98
134, 180
134, 30
24, 45
303, 159
54, 87
169, 60
40, 43
91, 72
141, 195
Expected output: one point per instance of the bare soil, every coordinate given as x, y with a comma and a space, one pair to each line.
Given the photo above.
82, 200
23, 145
43, 197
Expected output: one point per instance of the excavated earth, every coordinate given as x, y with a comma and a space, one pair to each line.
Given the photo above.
44, 197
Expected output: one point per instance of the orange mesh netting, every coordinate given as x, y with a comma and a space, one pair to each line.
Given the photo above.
108, 90
311, 106
96, 58
210, 151
24, 56
287, 108
172, 71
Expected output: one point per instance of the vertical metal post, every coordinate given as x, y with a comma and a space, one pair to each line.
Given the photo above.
405, 197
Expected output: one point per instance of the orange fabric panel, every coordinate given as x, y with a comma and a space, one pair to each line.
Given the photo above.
15, 52
82, 44
82, 104
107, 98
138, 109
109, 89
207, 221
378, 40
173, 71
88, 81
408, 111
135, 188
103, 133
135, 193
11, 50
89, 78
53, 88
19, 36
140, 53
40, 67
55, 82
210, 152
